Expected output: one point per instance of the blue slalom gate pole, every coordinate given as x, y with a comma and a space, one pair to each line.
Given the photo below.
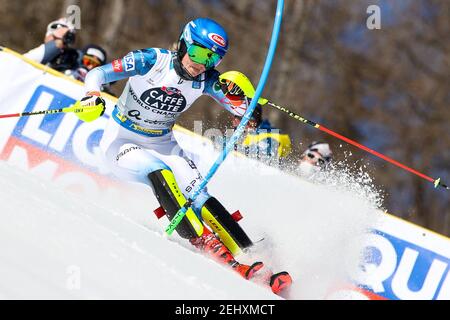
241, 127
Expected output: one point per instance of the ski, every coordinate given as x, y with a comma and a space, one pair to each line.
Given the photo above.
279, 282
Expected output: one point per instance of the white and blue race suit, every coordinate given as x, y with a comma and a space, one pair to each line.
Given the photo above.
138, 139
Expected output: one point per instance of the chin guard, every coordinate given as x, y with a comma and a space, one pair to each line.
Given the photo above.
234, 80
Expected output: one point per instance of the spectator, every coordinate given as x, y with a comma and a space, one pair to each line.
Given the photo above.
316, 157
59, 36
90, 57
57, 53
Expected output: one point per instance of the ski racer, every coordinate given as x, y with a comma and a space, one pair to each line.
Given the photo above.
138, 143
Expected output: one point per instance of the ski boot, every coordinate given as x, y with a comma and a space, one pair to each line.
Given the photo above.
210, 244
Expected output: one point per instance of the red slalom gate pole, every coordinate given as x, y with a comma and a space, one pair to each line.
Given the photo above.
437, 182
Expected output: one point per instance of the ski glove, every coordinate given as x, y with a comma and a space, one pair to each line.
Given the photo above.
95, 107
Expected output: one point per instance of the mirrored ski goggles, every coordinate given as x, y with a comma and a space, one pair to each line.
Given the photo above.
319, 160
202, 55
91, 61
58, 25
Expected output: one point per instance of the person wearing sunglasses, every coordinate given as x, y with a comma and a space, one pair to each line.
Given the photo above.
138, 143
90, 57
57, 53
316, 157
60, 34
93, 56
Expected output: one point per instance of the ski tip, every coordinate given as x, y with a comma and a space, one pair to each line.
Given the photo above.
253, 269
280, 281
247, 271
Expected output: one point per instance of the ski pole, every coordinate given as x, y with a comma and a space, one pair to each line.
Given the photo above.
245, 85
75, 108
240, 129
437, 182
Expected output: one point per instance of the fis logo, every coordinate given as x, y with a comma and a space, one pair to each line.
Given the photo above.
129, 62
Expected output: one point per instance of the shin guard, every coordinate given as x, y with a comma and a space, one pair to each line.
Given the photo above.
172, 199
222, 223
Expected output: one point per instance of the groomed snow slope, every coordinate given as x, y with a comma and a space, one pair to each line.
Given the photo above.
59, 244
